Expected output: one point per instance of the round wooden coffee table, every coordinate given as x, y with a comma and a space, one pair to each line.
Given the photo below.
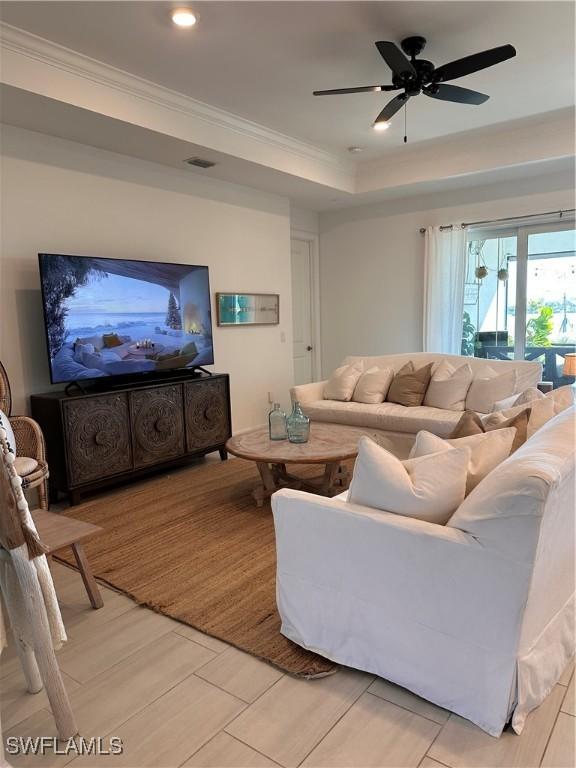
329, 444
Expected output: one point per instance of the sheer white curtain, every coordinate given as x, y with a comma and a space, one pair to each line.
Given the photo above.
444, 275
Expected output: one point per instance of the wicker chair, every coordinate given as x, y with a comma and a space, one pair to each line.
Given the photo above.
31, 462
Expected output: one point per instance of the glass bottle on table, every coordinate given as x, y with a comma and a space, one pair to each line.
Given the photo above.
277, 423
298, 425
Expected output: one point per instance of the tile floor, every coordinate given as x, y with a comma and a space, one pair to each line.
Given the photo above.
177, 697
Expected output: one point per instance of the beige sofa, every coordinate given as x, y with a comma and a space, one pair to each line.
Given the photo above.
396, 425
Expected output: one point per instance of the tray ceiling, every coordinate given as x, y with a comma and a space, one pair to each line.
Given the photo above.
261, 60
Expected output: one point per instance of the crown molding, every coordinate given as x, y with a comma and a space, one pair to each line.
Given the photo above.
26, 44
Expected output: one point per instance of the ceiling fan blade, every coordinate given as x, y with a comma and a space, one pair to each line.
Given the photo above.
455, 93
391, 108
473, 63
395, 59
360, 89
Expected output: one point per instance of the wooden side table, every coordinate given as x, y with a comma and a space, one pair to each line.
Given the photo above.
57, 532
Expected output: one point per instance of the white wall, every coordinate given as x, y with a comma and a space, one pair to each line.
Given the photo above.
63, 197
372, 257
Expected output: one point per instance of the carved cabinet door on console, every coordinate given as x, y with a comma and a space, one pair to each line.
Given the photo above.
157, 424
98, 432
207, 411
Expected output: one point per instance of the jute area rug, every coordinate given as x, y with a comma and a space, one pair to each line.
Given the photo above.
194, 546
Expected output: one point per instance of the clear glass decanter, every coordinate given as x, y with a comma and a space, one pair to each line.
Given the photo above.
298, 425
277, 423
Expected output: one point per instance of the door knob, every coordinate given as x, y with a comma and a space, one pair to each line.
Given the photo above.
309, 348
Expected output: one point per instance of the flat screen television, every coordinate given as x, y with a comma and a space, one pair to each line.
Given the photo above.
123, 317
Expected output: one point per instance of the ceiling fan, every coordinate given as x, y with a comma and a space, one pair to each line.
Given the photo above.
413, 76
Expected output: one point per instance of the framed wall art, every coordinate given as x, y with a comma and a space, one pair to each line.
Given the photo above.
248, 308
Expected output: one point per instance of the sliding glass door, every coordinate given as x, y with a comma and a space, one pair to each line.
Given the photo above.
520, 295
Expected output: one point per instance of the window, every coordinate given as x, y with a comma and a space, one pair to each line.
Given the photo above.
520, 295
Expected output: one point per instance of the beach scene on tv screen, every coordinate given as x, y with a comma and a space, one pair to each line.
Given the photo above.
113, 317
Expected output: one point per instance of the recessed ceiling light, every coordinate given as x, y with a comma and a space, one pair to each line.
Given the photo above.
355, 150
183, 17
382, 126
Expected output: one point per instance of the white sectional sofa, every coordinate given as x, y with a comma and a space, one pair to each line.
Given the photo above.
477, 615
398, 424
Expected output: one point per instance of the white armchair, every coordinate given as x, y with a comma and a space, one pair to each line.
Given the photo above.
474, 618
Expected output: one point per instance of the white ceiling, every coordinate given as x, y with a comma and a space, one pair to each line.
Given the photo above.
261, 60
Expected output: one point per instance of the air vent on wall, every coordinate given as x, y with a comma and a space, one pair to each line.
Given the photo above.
199, 162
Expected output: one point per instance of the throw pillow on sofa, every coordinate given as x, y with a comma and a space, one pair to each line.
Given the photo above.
563, 398
409, 386
472, 424
373, 385
449, 386
486, 390
487, 450
544, 406
429, 488
528, 396
505, 403
541, 411
341, 385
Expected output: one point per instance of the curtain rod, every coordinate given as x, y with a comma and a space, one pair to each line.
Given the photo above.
508, 218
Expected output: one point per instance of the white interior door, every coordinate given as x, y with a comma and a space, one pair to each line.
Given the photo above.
302, 311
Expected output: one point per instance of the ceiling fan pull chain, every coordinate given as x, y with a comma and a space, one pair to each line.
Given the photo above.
405, 109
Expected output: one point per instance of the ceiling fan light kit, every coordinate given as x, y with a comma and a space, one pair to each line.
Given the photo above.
414, 76
183, 17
